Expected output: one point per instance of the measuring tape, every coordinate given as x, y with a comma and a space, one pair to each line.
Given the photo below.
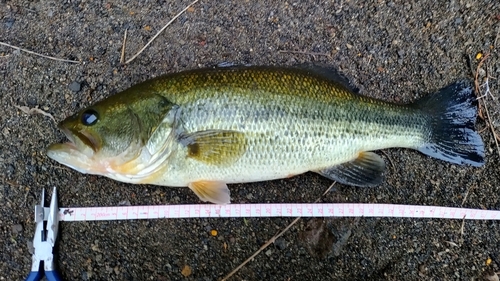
272, 210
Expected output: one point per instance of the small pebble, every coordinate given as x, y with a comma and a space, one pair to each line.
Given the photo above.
16, 228
268, 252
75, 86
124, 203
31, 249
280, 243
10, 169
9, 22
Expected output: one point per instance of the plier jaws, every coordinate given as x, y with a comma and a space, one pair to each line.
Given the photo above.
44, 240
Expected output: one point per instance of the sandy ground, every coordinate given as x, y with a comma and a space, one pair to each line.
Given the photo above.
395, 50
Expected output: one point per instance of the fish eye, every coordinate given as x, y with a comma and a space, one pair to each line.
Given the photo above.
90, 117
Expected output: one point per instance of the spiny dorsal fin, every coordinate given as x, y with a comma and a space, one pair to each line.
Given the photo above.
216, 147
366, 170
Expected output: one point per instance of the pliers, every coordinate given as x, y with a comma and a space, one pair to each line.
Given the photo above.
44, 240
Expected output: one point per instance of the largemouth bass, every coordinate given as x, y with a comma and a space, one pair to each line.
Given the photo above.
209, 127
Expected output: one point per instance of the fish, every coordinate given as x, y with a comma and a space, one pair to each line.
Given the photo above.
210, 127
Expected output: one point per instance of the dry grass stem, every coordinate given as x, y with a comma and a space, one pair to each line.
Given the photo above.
122, 56
496, 37
486, 86
466, 195
159, 32
451, 243
303, 53
37, 54
390, 160
25, 198
495, 136
462, 231
270, 241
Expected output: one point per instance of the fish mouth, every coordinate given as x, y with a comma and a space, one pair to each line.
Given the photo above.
77, 153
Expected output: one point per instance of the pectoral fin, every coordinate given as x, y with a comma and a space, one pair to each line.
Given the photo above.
211, 191
215, 147
366, 170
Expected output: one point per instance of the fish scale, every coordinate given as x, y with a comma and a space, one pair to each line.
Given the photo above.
299, 131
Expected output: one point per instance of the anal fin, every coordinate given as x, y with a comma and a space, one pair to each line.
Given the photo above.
366, 170
211, 191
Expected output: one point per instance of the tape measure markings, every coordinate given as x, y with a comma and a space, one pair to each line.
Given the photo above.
273, 210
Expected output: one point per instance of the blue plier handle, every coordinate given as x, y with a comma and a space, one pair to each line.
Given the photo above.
44, 240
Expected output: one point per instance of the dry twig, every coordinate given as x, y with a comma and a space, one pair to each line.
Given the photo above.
35, 110
37, 54
159, 32
270, 241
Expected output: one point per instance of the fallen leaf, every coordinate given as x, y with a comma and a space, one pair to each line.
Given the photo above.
317, 238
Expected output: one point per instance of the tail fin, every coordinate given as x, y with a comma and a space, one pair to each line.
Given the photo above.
453, 112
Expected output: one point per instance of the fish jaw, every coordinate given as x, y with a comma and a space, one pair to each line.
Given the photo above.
134, 165
69, 155
77, 153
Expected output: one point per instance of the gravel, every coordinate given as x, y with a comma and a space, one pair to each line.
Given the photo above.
393, 50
